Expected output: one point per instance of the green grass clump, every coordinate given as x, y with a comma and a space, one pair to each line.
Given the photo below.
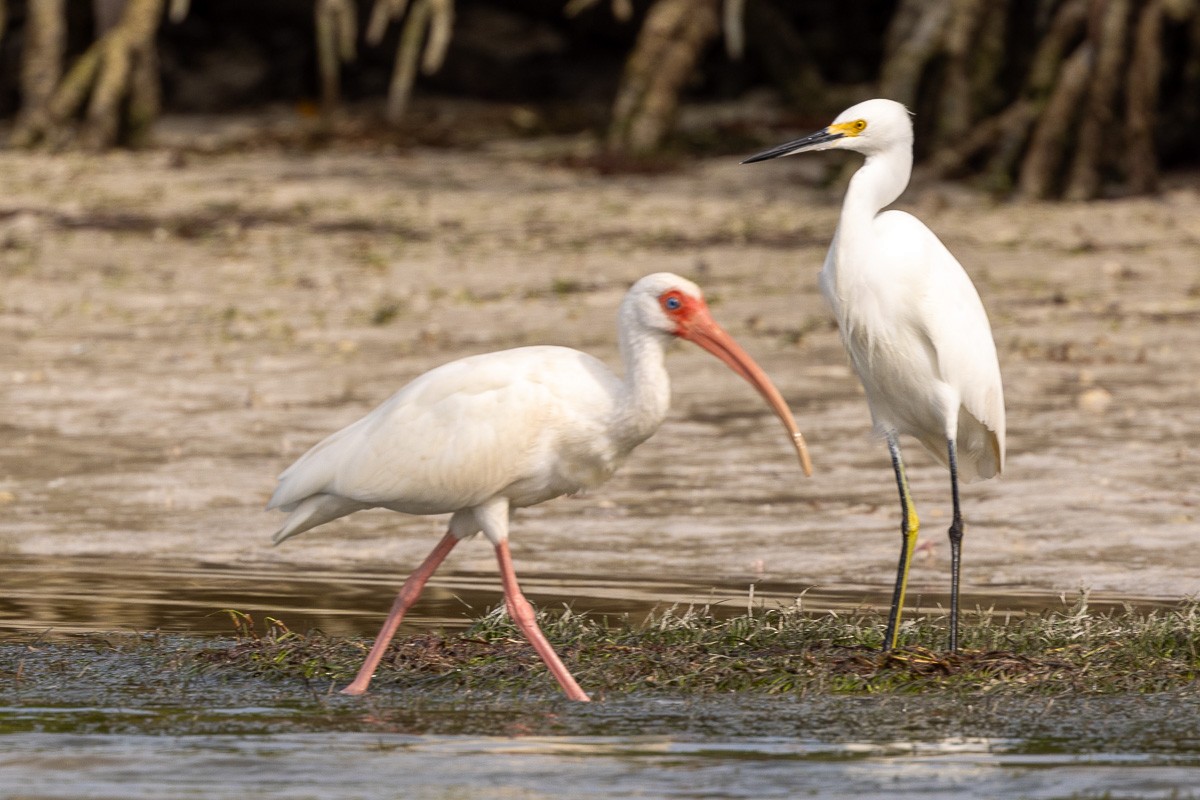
766, 651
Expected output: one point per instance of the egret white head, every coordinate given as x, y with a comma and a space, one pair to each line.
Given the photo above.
870, 127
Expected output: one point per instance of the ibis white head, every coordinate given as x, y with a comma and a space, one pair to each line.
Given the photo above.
667, 305
662, 303
870, 127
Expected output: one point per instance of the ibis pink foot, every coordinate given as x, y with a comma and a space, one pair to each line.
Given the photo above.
408, 595
522, 614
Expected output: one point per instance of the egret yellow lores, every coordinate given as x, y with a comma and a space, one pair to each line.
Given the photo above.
912, 324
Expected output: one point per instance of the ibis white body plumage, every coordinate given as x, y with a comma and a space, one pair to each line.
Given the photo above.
528, 424
486, 434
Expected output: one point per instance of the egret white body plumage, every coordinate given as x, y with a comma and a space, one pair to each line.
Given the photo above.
487, 434
912, 324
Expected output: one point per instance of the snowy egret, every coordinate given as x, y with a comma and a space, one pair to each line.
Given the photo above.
487, 434
912, 323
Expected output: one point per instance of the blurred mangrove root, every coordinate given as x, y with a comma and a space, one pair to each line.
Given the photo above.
1060, 133
621, 9
670, 43
114, 84
336, 23
787, 60
430, 22
41, 68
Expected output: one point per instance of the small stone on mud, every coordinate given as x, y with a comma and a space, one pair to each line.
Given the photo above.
1095, 400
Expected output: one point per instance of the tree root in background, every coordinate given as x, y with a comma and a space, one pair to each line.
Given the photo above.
670, 43
1085, 111
1061, 103
429, 23
1040, 98
113, 86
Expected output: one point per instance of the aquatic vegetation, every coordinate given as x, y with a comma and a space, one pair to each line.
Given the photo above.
765, 651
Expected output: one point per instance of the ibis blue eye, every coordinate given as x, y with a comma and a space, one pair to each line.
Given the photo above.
672, 304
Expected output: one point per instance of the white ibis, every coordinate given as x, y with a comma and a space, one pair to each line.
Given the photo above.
487, 434
912, 323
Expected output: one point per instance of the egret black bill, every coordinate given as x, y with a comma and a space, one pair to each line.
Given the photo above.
796, 146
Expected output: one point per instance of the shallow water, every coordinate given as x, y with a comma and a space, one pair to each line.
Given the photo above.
373, 765
719, 748
93, 594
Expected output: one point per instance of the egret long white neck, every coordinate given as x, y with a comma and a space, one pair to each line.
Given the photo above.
647, 388
877, 184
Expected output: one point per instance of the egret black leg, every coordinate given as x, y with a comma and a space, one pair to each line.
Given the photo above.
956, 536
909, 526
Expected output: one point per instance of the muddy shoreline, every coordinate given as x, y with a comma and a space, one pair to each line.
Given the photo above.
176, 329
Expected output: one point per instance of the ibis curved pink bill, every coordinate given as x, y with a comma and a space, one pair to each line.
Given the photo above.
481, 436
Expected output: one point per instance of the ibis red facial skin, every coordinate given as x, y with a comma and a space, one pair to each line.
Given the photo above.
487, 434
912, 323
695, 324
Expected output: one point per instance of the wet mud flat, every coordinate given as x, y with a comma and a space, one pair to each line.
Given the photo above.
178, 325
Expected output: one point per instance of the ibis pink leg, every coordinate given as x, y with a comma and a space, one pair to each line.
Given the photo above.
408, 595
522, 614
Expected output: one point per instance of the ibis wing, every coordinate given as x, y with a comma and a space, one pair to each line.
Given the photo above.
458, 434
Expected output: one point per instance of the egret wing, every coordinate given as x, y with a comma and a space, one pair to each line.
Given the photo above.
958, 327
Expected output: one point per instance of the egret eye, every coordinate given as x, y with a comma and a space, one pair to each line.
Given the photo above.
859, 125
